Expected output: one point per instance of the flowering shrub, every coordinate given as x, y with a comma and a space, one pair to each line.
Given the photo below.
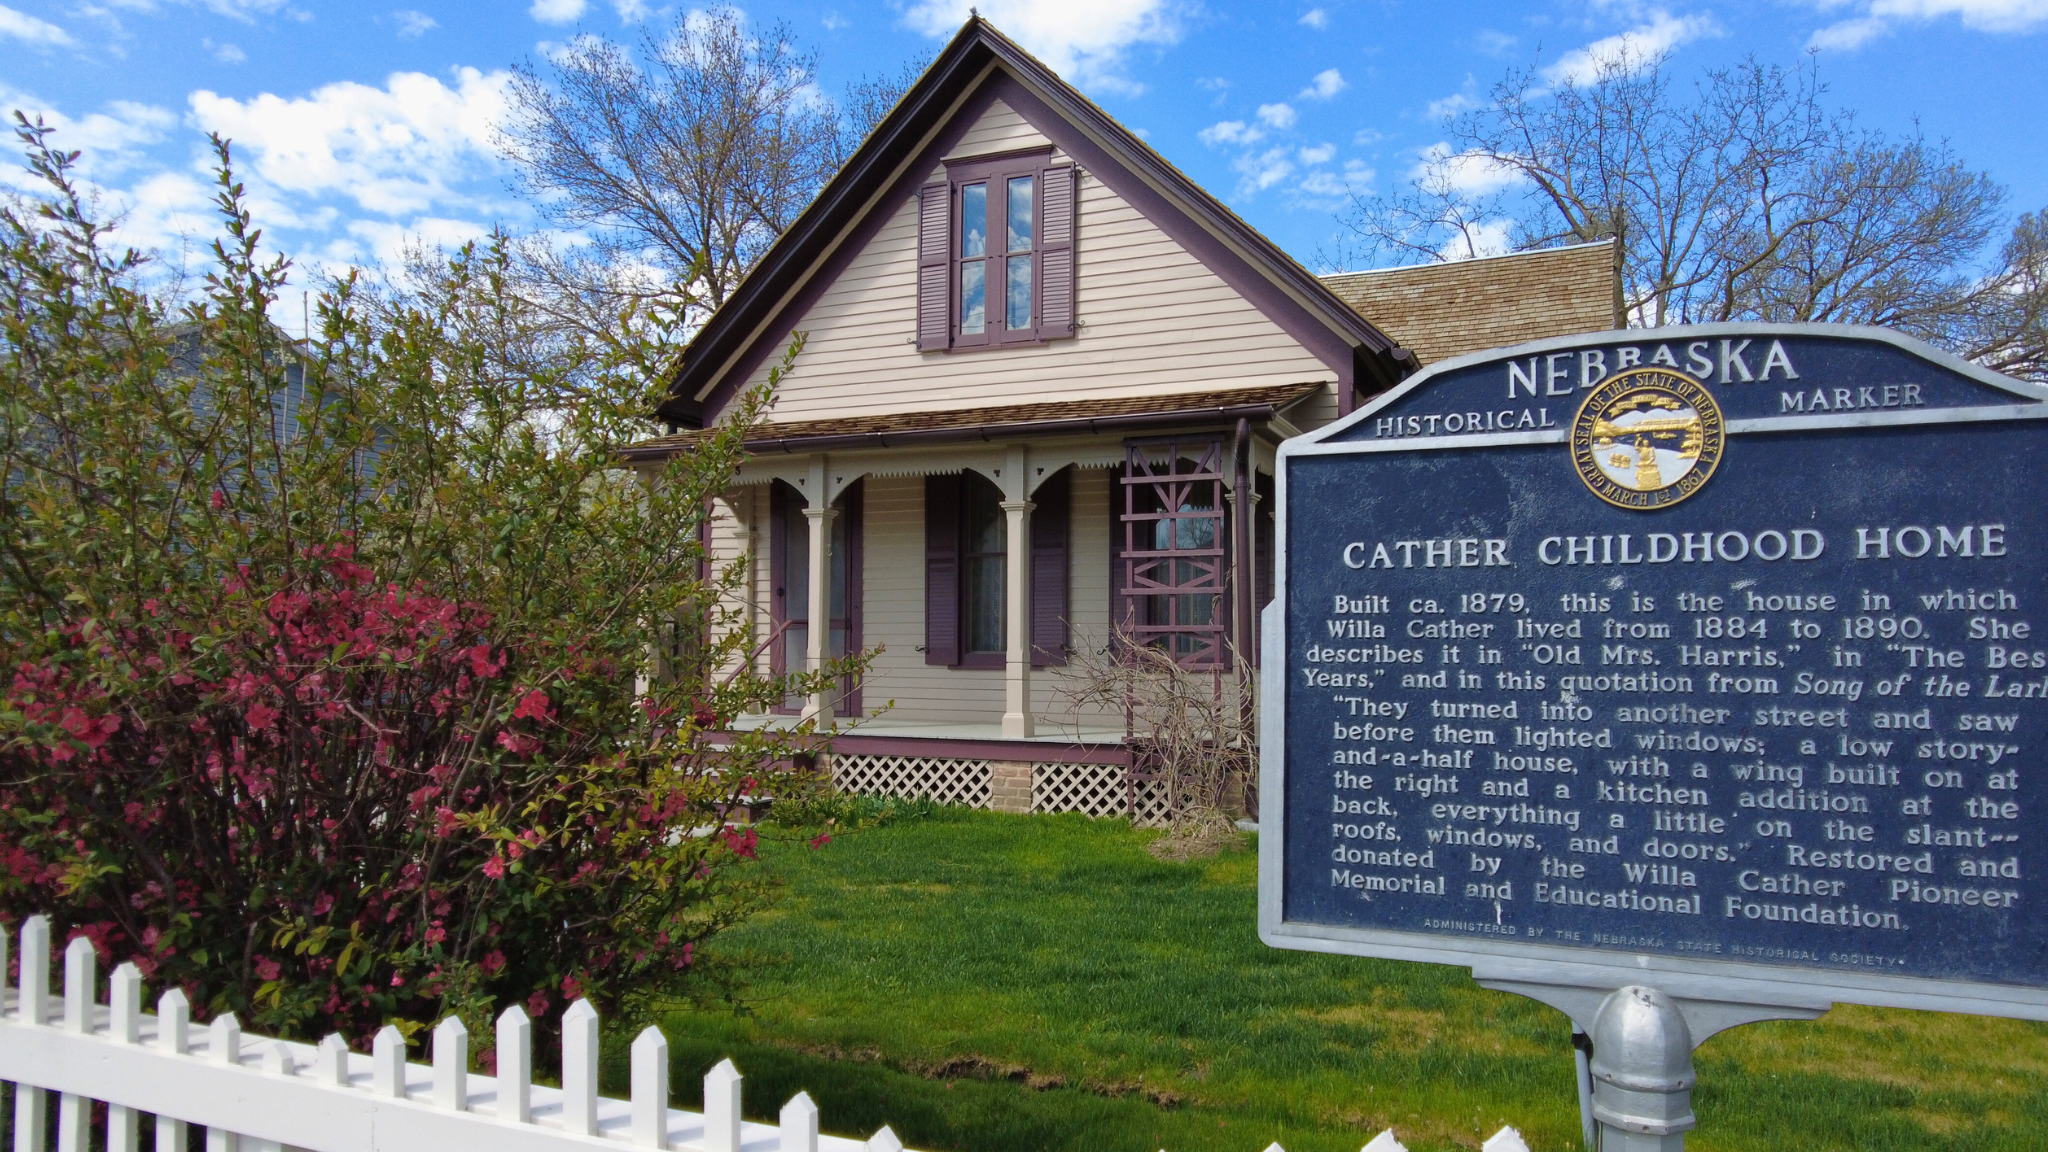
351, 681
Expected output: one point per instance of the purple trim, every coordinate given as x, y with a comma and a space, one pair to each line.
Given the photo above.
821, 277
1327, 345
1043, 752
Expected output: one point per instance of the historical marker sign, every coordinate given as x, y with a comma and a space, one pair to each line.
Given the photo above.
1716, 652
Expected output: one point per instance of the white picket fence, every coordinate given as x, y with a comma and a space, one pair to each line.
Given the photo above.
258, 1094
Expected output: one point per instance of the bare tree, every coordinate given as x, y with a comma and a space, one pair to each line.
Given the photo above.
682, 156
1743, 197
1194, 729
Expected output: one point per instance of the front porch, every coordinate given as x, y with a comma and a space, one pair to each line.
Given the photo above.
902, 538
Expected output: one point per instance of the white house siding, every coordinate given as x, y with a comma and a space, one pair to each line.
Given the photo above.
1155, 321
892, 603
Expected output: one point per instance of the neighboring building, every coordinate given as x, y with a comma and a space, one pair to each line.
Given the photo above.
1044, 377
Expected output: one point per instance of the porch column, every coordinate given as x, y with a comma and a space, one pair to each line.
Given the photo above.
820, 513
1017, 624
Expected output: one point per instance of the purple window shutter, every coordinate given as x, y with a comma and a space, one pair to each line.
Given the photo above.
934, 267
942, 570
1056, 223
1051, 528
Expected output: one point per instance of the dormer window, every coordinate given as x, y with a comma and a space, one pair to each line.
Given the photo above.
996, 253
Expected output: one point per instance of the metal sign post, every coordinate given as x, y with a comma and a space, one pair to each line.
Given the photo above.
1678, 679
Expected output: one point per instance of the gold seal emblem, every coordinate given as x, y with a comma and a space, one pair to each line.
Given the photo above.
1647, 438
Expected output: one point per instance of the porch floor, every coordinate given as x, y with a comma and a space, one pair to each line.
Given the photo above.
884, 725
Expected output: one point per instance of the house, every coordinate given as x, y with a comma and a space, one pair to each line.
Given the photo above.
1043, 379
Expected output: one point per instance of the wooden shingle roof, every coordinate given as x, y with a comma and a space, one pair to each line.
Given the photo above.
1438, 311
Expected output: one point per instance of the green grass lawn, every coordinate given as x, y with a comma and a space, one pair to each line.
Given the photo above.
997, 983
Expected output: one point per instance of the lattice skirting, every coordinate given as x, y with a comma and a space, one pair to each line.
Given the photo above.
1097, 790
945, 780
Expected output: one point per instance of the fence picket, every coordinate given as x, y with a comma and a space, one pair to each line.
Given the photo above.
1505, 1140
173, 1021
884, 1141
799, 1124
31, 1104
387, 1062
722, 1108
650, 1089
579, 1069
1384, 1142
451, 1065
515, 1066
330, 1061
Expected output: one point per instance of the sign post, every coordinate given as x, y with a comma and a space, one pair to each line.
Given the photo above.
1676, 678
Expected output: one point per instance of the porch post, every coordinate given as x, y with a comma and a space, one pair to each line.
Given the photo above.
1017, 631
818, 631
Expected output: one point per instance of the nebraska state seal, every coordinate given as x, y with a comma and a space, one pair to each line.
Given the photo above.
1647, 438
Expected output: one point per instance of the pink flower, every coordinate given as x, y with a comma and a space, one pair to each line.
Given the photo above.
261, 716
517, 744
220, 499
495, 867
267, 969
535, 706
492, 963
398, 979
322, 903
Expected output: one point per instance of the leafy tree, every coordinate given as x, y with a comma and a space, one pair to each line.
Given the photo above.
353, 680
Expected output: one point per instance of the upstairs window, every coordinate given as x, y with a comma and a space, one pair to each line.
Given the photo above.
996, 254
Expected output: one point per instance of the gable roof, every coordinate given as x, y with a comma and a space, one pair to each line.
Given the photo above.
1445, 310
977, 67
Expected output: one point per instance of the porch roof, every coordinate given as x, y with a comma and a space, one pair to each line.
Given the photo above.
1008, 422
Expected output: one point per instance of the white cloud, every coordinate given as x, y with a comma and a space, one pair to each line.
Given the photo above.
1492, 43
1278, 116
225, 53
1262, 170
1367, 137
1326, 84
1450, 106
558, 11
1486, 238
1468, 172
23, 26
1638, 46
414, 24
1881, 16
833, 22
632, 11
1331, 187
1084, 40
387, 242
1320, 154
1230, 132
1315, 18
393, 150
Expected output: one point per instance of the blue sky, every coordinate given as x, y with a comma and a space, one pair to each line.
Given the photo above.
360, 125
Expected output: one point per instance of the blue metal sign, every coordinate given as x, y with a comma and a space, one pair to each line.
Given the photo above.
1720, 652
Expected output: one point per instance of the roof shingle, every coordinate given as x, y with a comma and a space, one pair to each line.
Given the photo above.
1439, 311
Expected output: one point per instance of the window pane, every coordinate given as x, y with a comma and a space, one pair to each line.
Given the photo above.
973, 298
985, 604
796, 573
974, 220
985, 526
1019, 315
1020, 214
